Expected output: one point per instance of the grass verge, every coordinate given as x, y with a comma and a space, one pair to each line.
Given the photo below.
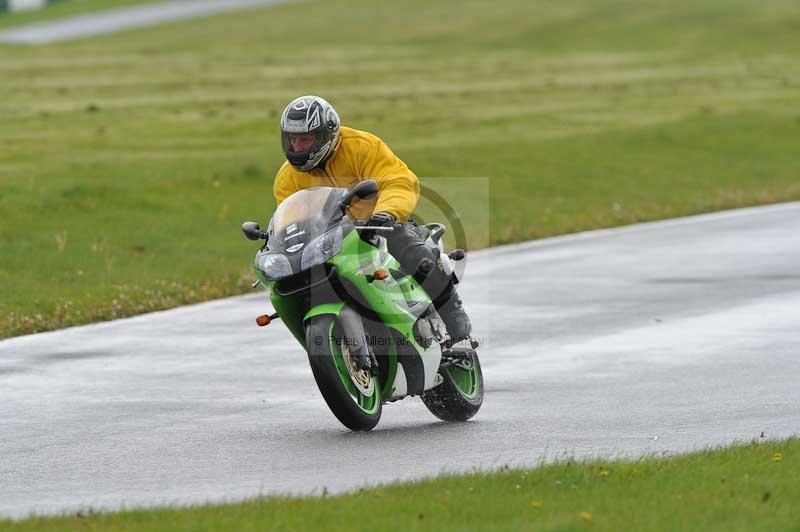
127, 162
745, 487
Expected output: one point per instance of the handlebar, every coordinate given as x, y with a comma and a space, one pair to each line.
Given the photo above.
253, 232
374, 227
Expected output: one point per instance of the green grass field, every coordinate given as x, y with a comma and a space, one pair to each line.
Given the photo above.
128, 162
752, 487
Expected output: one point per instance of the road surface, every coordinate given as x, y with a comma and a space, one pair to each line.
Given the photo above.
656, 338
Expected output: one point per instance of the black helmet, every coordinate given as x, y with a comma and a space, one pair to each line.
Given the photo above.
310, 114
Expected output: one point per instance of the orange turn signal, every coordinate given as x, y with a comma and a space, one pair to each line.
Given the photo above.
263, 320
380, 275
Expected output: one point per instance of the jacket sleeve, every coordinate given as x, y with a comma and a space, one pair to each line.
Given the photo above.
284, 186
398, 185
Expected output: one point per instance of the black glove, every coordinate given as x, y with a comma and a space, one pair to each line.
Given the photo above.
382, 219
379, 219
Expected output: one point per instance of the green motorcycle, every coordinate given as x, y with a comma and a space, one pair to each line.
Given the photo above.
370, 330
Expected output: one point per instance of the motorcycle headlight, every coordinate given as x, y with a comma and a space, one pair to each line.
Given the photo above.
274, 266
322, 248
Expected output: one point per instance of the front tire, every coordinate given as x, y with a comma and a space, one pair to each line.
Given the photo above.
460, 395
353, 396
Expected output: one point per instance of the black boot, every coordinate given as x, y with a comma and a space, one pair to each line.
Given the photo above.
455, 319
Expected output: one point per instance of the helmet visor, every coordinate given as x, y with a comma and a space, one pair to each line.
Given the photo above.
306, 149
302, 143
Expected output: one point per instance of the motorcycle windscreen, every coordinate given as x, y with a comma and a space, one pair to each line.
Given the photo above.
304, 215
304, 207
300, 219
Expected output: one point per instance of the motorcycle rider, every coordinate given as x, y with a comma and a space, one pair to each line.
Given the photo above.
321, 152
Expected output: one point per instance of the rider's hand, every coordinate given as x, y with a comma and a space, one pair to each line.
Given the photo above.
379, 219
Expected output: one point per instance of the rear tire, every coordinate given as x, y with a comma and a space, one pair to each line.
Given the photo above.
460, 395
353, 396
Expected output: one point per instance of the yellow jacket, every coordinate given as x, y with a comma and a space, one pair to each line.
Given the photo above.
359, 156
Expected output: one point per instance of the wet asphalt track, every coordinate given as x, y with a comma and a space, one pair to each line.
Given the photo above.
657, 338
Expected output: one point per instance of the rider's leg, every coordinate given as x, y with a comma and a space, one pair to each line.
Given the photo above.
452, 312
407, 245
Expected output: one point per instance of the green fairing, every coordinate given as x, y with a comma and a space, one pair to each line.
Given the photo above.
359, 259
355, 262
290, 311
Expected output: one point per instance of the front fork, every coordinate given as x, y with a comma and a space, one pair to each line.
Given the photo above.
356, 336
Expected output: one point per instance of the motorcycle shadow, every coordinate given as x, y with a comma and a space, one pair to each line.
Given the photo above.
422, 429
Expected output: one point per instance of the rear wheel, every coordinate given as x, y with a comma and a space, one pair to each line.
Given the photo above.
352, 394
460, 395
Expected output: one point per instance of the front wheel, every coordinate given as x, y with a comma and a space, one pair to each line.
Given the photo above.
460, 395
353, 395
